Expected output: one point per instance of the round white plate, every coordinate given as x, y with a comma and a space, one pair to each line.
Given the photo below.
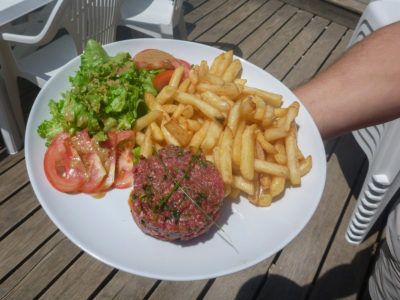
104, 228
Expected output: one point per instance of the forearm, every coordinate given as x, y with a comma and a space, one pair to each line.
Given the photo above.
362, 88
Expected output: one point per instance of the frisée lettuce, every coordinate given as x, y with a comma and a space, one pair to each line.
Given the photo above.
107, 92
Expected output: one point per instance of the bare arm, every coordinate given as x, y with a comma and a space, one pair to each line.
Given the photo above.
362, 88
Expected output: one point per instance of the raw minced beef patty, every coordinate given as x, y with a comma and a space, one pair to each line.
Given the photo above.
158, 204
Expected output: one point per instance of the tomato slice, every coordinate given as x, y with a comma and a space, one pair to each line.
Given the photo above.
162, 79
126, 135
152, 59
63, 166
110, 167
124, 174
90, 154
96, 173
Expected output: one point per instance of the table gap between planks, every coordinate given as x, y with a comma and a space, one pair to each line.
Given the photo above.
291, 41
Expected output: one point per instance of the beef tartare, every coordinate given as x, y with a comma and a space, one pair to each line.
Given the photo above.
176, 194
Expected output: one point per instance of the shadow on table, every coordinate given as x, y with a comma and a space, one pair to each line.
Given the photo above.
337, 283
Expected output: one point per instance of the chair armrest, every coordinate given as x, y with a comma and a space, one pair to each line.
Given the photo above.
22, 39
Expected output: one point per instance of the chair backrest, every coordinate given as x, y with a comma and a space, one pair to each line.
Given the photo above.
83, 19
91, 19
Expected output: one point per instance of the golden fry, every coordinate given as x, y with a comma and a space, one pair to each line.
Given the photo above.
212, 79
247, 108
305, 165
237, 144
228, 89
215, 101
233, 117
268, 147
215, 64
270, 98
259, 154
226, 156
193, 125
290, 144
203, 69
181, 135
260, 108
268, 116
169, 108
156, 132
247, 153
147, 148
188, 111
183, 87
199, 136
271, 168
232, 71
205, 108
212, 136
166, 94
280, 112
147, 119
265, 199
244, 185
178, 111
235, 193
265, 181
277, 185
291, 115
224, 63
193, 76
273, 134
280, 157
140, 138
176, 77
169, 138
217, 158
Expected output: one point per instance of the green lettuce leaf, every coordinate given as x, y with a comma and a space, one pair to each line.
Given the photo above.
107, 93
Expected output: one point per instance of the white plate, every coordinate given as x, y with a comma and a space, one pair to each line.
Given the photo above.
104, 228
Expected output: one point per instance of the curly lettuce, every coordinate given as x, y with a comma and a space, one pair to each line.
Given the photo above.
107, 93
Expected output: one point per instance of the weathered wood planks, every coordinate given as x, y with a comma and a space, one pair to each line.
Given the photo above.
297, 47
126, 286
269, 50
12, 180
17, 208
315, 56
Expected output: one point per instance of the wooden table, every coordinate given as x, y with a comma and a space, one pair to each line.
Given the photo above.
293, 40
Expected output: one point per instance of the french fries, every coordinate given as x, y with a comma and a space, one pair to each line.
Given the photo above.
244, 131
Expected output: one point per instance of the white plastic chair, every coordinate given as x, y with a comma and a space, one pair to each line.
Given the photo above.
82, 19
156, 18
381, 143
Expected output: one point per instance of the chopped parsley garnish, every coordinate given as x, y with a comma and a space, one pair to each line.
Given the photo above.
200, 197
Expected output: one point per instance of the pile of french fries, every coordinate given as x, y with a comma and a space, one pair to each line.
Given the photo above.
243, 130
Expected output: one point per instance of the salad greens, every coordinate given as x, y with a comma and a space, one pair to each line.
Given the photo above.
107, 93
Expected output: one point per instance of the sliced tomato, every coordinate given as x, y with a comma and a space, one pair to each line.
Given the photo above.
162, 79
96, 173
126, 135
93, 157
63, 166
109, 165
124, 174
151, 59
